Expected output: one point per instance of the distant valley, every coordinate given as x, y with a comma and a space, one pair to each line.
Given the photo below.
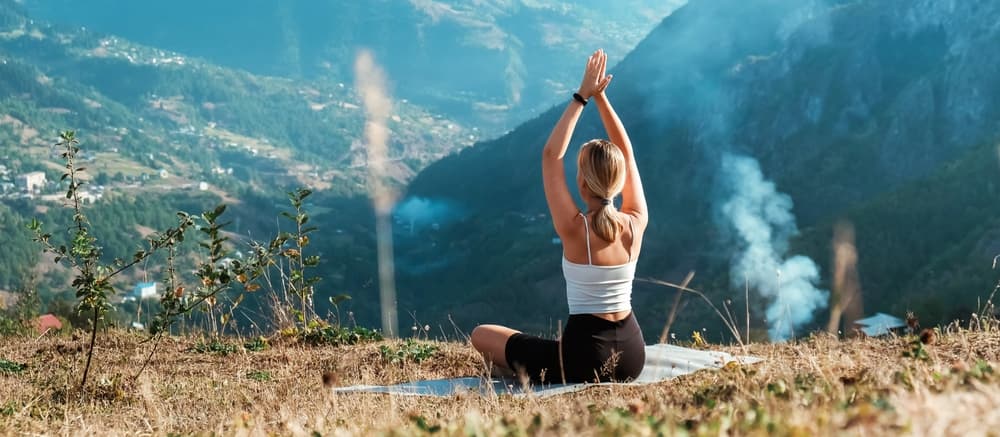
167, 127
490, 64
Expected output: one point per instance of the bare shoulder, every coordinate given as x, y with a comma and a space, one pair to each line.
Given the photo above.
639, 220
574, 227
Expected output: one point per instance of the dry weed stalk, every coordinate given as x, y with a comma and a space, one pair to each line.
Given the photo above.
730, 324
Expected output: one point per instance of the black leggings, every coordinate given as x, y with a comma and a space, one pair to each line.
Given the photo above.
593, 349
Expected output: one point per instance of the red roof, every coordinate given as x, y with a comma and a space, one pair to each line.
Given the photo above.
47, 322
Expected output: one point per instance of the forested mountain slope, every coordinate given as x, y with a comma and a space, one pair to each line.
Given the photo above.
297, 126
163, 132
858, 110
489, 63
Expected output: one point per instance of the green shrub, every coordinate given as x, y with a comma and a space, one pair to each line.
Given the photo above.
411, 350
11, 327
8, 367
259, 375
330, 335
256, 345
215, 347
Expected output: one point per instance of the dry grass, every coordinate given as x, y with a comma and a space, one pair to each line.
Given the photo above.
817, 386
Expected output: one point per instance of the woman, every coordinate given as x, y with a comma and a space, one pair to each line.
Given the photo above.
602, 340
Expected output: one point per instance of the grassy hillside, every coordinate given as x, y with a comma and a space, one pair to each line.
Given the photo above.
815, 386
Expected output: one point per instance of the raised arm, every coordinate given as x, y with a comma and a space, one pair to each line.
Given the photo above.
561, 204
633, 197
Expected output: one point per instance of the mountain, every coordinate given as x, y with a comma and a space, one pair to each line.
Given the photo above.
296, 126
491, 64
184, 120
880, 113
163, 132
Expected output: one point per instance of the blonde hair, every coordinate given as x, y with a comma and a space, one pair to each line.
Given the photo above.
602, 167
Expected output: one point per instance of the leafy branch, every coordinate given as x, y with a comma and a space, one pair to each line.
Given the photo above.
92, 281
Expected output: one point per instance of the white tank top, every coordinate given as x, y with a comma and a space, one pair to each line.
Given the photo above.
594, 289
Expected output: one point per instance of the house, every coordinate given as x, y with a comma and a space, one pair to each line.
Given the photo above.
90, 197
47, 322
144, 290
29, 182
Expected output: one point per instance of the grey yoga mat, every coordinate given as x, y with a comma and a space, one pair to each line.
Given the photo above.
663, 362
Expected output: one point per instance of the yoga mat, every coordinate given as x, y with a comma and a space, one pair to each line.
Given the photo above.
663, 362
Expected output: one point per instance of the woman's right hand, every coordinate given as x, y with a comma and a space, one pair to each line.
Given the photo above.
595, 81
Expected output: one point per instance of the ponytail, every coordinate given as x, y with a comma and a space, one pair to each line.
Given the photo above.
608, 223
602, 166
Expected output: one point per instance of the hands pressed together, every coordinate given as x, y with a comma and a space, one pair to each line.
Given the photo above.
595, 80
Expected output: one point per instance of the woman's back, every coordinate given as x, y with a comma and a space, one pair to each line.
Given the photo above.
587, 248
601, 286
602, 339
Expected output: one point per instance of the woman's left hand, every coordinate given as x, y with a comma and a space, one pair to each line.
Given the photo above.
595, 81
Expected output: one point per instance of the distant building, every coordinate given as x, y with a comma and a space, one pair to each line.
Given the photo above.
880, 324
144, 290
29, 182
89, 197
47, 322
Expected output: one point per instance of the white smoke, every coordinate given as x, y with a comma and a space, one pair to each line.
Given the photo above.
762, 221
423, 211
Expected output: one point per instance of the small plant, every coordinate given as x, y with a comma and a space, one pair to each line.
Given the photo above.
215, 347
8, 367
256, 345
409, 351
8, 409
322, 334
301, 284
295, 306
259, 375
698, 341
16, 321
981, 371
423, 426
916, 350
10, 326
711, 395
216, 275
93, 278
778, 389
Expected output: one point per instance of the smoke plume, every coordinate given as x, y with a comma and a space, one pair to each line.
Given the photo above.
762, 222
423, 211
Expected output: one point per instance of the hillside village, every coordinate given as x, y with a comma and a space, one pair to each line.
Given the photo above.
177, 141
